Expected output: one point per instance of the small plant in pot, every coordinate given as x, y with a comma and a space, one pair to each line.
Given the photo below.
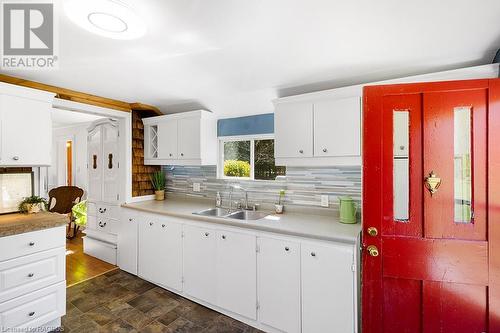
159, 182
33, 204
279, 206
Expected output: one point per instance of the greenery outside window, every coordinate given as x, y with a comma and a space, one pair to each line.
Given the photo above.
248, 157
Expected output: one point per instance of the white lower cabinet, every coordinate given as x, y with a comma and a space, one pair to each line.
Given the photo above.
237, 273
127, 242
328, 281
274, 282
200, 246
279, 284
160, 253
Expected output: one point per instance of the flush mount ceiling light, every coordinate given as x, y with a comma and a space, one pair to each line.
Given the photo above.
107, 18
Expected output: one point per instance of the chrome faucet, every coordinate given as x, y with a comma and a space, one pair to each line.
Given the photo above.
238, 187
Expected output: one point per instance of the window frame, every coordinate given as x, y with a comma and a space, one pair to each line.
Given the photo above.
220, 154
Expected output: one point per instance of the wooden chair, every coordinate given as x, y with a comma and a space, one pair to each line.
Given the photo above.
61, 200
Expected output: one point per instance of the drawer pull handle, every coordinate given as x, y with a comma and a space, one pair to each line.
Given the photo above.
207, 233
31, 314
32, 243
102, 210
301, 151
325, 150
15, 158
163, 225
102, 225
151, 223
130, 220
287, 248
223, 236
31, 275
313, 254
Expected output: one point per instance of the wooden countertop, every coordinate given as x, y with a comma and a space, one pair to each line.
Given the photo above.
13, 224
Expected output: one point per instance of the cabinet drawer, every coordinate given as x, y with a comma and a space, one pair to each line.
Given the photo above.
107, 225
31, 242
33, 310
25, 274
102, 210
99, 249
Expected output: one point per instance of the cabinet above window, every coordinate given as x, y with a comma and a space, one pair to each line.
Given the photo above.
181, 139
319, 131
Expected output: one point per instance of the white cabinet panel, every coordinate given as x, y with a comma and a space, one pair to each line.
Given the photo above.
94, 164
200, 246
293, 127
279, 284
110, 185
26, 131
167, 139
337, 127
189, 138
327, 288
148, 263
236, 273
127, 242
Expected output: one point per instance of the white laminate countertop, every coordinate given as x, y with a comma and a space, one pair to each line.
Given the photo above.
321, 227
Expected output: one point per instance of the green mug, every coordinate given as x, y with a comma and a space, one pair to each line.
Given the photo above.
347, 210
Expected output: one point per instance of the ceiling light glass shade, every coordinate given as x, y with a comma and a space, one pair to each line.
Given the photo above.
107, 18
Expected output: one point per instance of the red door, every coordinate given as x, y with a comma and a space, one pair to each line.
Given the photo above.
431, 208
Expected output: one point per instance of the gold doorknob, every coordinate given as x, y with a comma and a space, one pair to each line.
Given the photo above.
372, 250
372, 231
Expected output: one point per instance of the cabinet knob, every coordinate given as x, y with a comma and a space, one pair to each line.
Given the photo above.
15, 158
223, 236
182, 154
31, 243
130, 220
31, 275
150, 223
325, 150
287, 248
163, 225
170, 154
301, 151
207, 233
313, 254
31, 314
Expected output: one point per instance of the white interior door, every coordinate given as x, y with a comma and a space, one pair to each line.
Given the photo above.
95, 162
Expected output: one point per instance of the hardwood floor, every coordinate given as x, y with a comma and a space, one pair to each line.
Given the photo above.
121, 302
81, 267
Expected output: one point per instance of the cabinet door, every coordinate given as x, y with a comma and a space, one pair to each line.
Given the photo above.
127, 242
149, 249
94, 160
293, 127
279, 284
110, 163
199, 262
189, 138
236, 273
168, 257
327, 288
26, 131
167, 139
337, 127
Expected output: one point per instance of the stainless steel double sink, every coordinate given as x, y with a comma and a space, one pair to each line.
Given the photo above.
244, 215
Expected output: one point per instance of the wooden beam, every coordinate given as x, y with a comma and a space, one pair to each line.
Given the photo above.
70, 94
146, 109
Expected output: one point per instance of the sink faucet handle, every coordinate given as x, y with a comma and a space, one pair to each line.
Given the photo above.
237, 204
255, 206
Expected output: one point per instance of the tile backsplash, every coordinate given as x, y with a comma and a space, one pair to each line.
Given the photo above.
303, 185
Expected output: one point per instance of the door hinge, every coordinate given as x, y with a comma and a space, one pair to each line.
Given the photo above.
353, 267
182, 279
257, 305
182, 234
117, 197
257, 248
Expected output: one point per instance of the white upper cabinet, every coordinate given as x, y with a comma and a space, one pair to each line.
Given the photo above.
188, 138
318, 130
25, 126
337, 127
294, 130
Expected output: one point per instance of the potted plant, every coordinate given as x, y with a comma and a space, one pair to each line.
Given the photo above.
279, 206
31, 205
158, 181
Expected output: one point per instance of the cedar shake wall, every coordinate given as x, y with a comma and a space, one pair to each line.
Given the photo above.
141, 184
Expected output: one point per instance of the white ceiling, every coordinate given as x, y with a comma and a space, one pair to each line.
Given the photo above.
65, 118
234, 56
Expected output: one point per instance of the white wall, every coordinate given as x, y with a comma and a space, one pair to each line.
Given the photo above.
57, 171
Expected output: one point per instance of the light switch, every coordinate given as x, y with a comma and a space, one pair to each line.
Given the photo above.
324, 200
196, 187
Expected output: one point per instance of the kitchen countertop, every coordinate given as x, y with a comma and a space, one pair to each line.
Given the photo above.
322, 227
13, 224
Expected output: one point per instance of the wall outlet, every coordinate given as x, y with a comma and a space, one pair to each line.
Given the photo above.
324, 201
196, 187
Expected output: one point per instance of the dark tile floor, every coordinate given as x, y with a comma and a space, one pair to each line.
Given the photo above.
120, 302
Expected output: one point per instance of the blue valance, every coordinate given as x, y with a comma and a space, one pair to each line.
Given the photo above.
250, 125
